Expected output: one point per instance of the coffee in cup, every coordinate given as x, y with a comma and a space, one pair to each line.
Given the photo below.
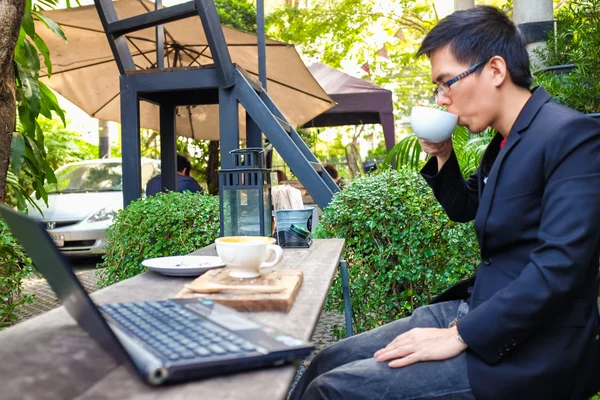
432, 124
245, 255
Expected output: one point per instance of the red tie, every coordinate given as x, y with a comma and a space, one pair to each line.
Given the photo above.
502, 143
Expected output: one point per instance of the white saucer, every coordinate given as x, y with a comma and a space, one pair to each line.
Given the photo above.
183, 265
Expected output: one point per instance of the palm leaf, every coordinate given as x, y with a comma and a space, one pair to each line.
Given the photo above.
20, 192
468, 149
407, 152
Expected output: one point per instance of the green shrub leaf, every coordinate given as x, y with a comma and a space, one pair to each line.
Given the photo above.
401, 248
168, 224
14, 267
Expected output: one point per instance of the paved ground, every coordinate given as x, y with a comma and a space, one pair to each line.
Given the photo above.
85, 269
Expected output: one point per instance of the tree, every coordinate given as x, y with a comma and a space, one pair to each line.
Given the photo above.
381, 36
20, 87
62, 146
349, 33
576, 41
11, 14
237, 14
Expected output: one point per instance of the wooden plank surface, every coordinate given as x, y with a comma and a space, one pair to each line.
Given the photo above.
288, 279
50, 357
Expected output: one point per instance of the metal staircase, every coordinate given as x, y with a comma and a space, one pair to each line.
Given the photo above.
223, 83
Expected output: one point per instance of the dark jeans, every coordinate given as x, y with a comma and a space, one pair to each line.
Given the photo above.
347, 369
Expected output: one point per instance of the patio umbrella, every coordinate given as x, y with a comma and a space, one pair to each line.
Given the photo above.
84, 71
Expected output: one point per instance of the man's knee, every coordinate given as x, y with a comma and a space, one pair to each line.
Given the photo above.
321, 388
324, 361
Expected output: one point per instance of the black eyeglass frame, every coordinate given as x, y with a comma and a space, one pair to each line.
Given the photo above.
444, 87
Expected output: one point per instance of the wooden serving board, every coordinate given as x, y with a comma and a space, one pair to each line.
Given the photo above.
281, 301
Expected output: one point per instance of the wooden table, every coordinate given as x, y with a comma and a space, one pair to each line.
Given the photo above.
50, 357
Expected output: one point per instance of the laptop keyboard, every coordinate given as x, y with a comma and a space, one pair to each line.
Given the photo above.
175, 333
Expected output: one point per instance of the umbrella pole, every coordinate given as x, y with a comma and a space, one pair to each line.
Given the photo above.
160, 40
253, 132
262, 48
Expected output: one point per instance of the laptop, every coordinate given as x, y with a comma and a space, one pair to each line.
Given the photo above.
160, 341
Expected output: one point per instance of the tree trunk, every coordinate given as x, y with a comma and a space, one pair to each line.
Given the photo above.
104, 138
11, 13
212, 169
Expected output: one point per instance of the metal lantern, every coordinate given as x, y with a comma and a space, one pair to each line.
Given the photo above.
245, 195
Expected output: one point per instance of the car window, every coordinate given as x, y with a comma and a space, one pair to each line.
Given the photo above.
104, 177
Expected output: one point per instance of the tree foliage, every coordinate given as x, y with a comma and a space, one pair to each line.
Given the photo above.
62, 146
14, 266
382, 36
576, 41
238, 14
348, 33
34, 99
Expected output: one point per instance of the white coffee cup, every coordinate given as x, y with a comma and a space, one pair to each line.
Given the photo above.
245, 255
432, 124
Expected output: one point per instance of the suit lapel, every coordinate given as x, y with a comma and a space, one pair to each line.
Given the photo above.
533, 106
485, 203
487, 161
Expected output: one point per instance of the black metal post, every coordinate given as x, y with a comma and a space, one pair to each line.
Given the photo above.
261, 41
298, 141
261, 207
168, 148
221, 206
173, 81
118, 45
253, 133
346, 294
292, 155
216, 41
130, 142
229, 126
160, 40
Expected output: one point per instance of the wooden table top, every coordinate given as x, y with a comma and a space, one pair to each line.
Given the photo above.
50, 357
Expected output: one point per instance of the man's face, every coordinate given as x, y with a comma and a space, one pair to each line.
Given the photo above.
471, 98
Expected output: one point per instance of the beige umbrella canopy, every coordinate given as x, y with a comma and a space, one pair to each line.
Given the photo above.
85, 73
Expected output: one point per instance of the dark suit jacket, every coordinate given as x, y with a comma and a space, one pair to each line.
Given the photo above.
536, 206
184, 182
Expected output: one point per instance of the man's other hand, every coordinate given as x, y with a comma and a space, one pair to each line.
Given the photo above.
422, 344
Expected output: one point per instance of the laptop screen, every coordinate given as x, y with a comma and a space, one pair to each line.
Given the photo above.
52, 264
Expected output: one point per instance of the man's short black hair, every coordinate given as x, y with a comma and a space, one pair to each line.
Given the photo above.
478, 34
183, 163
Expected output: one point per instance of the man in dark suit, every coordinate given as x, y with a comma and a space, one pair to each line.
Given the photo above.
524, 326
184, 180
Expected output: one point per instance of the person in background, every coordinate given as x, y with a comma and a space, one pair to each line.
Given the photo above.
333, 172
184, 180
281, 176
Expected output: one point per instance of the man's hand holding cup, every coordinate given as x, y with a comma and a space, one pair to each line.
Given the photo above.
440, 150
434, 129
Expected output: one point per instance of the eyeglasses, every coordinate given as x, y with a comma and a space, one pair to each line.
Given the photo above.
444, 87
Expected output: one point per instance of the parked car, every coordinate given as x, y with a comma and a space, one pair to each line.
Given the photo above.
83, 202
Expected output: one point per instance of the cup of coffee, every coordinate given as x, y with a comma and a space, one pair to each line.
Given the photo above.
245, 255
432, 124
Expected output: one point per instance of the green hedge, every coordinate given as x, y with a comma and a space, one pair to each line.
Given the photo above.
14, 267
165, 225
401, 247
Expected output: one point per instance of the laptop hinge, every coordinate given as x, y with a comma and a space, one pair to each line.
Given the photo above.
151, 367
